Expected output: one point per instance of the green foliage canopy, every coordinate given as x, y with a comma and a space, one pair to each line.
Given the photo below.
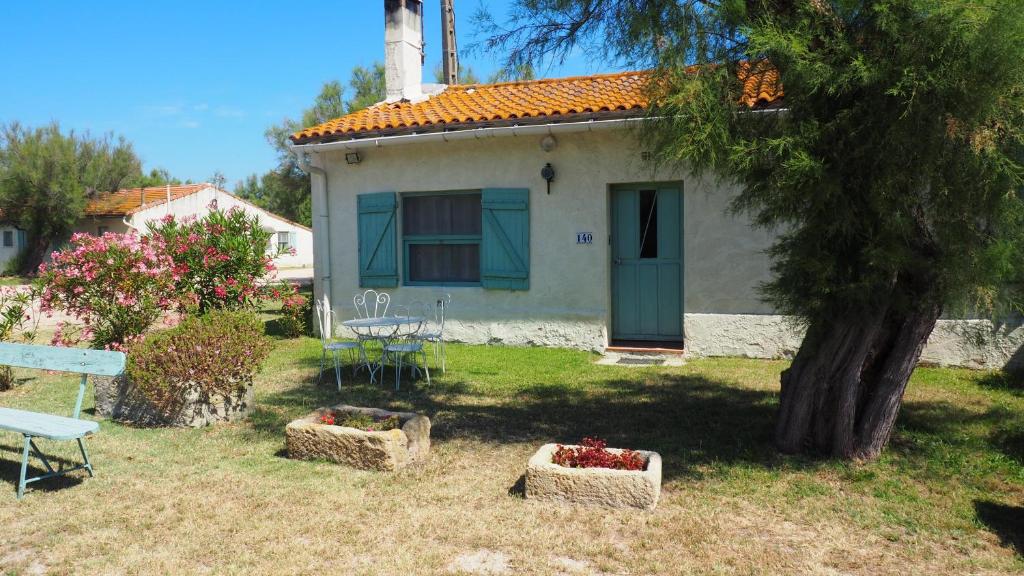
46, 176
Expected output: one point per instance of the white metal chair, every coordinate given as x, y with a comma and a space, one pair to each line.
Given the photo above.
371, 304
434, 332
410, 346
325, 324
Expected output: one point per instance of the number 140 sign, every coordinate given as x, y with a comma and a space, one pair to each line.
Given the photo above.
584, 238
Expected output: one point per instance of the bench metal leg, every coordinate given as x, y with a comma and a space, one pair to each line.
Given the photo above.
31, 448
24, 466
85, 456
42, 458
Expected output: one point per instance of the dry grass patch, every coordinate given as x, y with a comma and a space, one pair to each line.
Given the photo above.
226, 500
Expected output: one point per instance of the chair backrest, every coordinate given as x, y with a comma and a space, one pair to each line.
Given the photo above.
323, 319
78, 360
372, 304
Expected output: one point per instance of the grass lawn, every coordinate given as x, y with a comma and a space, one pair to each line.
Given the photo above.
15, 280
946, 498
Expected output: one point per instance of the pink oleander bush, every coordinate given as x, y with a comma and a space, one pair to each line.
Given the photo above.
216, 354
18, 321
220, 261
115, 285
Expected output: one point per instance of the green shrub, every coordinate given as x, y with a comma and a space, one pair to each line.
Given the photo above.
213, 355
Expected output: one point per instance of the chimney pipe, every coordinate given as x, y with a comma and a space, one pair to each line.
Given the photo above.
449, 49
403, 49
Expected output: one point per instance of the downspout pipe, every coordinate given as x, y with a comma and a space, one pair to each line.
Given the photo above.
324, 231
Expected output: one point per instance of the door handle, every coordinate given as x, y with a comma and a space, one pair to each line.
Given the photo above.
617, 261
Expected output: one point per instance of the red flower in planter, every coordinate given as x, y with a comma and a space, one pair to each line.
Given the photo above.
593, 453
327, 419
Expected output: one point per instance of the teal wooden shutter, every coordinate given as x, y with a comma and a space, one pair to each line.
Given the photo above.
505, 241
22, 239
378, 256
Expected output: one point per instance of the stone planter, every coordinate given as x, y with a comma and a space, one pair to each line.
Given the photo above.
118, 399
546, 480
308, 439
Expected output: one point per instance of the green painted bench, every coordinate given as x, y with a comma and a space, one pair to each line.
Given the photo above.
34, 425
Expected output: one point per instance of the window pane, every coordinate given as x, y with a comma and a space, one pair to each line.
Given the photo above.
444, 263
8, 238
648, 224
444, 214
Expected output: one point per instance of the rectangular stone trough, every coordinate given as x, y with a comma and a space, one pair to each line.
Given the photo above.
309, 439
546, 480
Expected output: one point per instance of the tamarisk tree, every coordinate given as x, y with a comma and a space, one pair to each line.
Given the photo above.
892, 172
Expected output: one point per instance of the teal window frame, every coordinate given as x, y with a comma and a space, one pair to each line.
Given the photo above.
436, 239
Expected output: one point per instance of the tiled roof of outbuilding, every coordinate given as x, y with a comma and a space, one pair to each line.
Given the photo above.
131, 200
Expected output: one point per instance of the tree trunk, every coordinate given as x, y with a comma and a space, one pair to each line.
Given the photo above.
34, 254
841, 395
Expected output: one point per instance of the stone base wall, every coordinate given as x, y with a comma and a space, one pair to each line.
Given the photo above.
583, 333
118, 399
978, 344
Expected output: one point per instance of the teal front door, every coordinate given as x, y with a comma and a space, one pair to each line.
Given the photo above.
647, 263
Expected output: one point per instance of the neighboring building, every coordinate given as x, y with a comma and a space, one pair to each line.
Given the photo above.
134, 208
12, 241
531, 204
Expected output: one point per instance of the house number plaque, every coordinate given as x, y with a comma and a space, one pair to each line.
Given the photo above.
584, 237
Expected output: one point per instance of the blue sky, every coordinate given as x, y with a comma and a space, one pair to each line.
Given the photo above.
193, 84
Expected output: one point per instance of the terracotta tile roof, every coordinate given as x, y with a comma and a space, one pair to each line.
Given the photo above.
559, 99
131, 200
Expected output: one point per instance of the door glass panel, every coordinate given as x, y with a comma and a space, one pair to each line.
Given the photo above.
648, 224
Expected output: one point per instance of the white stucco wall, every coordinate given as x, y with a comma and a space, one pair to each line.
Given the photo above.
197, 205
569, 300
91, 225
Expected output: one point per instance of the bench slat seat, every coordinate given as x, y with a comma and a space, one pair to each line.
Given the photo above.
46, 426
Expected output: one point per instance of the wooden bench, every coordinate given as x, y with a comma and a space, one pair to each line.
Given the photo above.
34, 425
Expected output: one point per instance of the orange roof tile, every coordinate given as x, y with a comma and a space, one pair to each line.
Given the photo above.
131, 200
558, 99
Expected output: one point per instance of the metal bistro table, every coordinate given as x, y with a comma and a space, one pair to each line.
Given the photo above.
384, 330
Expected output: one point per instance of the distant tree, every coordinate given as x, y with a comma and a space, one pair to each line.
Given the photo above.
285, 189
156, 177
367, 88
466, 75
218, 180
285, 193
517, 73
46, 177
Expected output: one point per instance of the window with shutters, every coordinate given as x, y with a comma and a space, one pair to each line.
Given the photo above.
8, 238
441, 235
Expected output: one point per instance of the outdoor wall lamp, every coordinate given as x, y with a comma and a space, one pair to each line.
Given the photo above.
548, 173
353, 158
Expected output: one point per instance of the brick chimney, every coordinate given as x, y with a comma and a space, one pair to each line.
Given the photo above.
403, 49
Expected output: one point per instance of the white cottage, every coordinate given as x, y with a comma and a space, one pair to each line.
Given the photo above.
531, 203
134, 208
